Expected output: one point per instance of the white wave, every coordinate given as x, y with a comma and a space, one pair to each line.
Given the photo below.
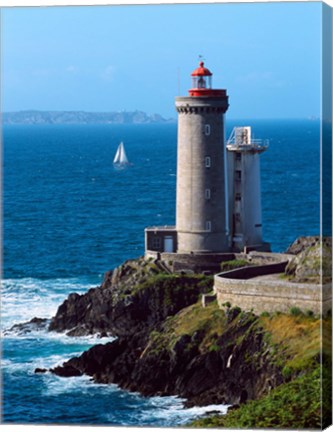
59, 337
167, 410
171, 409
24, 299
29, 366
56, 386
70, 340
164, 411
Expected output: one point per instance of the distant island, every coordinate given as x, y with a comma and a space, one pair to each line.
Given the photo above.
81, 117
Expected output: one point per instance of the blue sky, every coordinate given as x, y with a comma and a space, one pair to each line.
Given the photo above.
112, 58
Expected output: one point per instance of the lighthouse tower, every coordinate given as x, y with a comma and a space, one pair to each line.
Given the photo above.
201, 208
243, 156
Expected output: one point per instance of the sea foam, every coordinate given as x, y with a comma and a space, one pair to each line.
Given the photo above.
26, 298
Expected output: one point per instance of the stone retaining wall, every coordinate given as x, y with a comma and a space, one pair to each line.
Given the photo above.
272, 295
196, 262
253, 271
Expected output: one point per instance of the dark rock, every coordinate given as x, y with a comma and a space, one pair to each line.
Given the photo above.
35, 324
40, 370
66, 371
128, 301
228, 374
134, 303
232, 313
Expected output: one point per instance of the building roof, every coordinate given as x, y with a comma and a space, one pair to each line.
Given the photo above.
201, 71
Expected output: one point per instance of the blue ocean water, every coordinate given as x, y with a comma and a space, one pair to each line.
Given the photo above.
69, 217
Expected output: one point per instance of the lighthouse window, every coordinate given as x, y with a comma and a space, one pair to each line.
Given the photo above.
207, 162
201, 82
238, 196
156, 243
207, 194
238, 156
238, 175
207, 129
208, 226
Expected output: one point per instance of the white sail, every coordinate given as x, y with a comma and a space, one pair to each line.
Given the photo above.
120, 157
117, 156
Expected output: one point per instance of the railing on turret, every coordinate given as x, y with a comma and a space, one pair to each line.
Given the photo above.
240, 139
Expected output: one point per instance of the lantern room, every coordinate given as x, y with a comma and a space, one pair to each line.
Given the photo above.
201, 77
202, 83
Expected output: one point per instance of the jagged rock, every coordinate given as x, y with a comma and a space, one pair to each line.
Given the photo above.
312, 256
139, 304
66, 371
128, 301
141, 363
35, 324
40, 370
302, 243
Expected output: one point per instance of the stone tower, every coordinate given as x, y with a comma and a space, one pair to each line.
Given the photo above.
201, 207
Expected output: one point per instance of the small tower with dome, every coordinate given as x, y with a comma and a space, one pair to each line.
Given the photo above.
218, 207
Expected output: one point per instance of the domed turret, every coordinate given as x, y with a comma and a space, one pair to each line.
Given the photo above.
201, 77
202, 83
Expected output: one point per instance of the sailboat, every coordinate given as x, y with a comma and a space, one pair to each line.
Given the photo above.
120, 160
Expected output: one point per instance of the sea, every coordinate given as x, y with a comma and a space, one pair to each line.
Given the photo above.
69, 216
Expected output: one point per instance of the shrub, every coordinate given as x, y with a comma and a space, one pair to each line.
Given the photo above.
295, 311
265, 314
214, 348
294, 405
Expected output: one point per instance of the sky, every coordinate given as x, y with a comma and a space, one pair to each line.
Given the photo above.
114, 58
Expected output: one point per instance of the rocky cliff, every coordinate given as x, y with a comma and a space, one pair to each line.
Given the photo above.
135, 297
168, 344
202, 354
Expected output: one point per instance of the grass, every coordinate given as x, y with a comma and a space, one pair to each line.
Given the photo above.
195, 318
234, 264
175, 281
298, 339
211, 321
295, 341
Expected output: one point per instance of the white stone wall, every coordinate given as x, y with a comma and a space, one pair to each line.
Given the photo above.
272, 295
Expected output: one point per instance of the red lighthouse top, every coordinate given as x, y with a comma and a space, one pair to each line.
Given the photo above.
201, 71
202, 83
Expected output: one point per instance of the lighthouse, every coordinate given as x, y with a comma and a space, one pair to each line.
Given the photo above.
244, 191
218, 197
201, 207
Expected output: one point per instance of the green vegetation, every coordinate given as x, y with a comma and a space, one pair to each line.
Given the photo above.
292, 405
297, 338
291, 348
209, 321
175, 282
294, 341
312, 265
234, 264
295, 311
